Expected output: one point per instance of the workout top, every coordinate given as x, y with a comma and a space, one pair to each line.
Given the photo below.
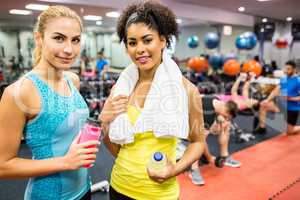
209, 114
237, 99
129, 175
49, 135
290, 86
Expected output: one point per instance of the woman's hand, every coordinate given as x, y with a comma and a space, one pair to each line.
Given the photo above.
163, 175
113, 107
242, 76
81, 154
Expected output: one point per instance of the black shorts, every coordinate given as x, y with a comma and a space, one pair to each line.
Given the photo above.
114, 195
87, 196
292, 116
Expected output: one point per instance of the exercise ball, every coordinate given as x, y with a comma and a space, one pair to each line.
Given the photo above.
252, 66
211, 40
251, 40
216, 60
281, 43
246, 41
241, 42
199, 64
193, 41
231, 67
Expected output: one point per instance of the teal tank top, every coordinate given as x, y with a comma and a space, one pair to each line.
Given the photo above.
49, 135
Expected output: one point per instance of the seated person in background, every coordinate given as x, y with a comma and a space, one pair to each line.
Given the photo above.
289, 88
217, 115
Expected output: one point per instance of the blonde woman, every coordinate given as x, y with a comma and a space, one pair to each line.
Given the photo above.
46, 107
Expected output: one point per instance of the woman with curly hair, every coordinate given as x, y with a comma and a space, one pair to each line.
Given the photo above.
155, 82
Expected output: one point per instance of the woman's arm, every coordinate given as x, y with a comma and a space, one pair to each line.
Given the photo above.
112, 147
235, 87
13, 120
111, 109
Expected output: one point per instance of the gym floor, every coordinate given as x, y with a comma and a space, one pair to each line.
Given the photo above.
14, 189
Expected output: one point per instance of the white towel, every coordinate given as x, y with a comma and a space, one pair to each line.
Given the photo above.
165, 110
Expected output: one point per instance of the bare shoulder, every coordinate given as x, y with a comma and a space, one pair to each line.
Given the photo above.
191, 89
74, 77
25, 95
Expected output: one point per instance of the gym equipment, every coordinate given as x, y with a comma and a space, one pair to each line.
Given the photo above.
252, 66
251, 40
219, 162
246, 41
231, 67
216, 60
211, 40
199, 64
241, 42
102, 186
239, 134
193, 41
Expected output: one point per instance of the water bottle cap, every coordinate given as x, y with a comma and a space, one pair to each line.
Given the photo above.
158, 156
95, 129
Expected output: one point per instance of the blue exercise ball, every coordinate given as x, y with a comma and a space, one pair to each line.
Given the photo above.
216, 60
241, 42
211, 40
193, 41
246, 41
251, 40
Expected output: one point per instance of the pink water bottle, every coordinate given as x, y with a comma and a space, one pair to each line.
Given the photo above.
89, 132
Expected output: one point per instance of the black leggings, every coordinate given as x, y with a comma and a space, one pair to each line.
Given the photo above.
114, 195
87, 196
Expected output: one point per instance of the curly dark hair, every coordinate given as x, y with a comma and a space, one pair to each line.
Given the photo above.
155, 15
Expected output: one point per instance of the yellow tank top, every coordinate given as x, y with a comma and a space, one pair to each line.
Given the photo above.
129, 175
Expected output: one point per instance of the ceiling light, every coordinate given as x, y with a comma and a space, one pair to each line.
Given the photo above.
92, 17
178, 21
36, 7
241, 9
263, 0
289, 19
99, 23
113, 14
264, 20
20, 12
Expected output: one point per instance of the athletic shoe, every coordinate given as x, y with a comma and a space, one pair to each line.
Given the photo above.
196, 177
231, 163
260, 131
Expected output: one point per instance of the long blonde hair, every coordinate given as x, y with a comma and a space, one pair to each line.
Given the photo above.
44, 17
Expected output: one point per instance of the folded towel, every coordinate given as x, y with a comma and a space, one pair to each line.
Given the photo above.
165, 109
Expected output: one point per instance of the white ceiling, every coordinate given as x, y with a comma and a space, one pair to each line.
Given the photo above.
276, 9
192, 11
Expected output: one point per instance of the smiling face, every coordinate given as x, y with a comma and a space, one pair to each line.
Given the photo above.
60, 42
144, 46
